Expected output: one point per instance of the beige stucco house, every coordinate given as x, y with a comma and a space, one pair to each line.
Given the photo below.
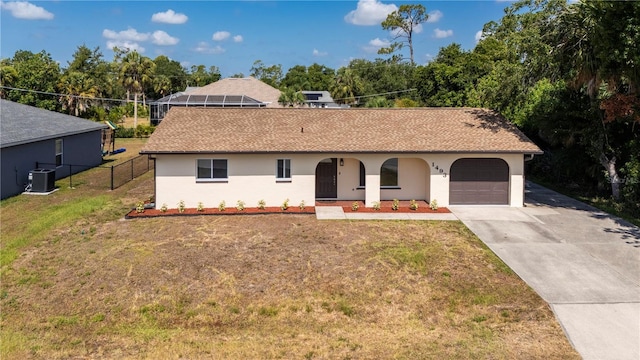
453, 155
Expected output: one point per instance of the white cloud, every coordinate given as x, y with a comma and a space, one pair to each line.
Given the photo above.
316, 52
238, 38
376, 44
123, 44
441, 34
220, 35
169, 17
435, 16
162, 38
125, 35
205, 48
478, 36
26, 10
369, 12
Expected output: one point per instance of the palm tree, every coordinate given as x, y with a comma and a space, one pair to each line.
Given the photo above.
78, 89
162, 85
346, 86
135, 73
291, 98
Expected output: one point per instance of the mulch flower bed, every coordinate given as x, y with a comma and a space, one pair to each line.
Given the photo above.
215, 211
272, 210
387, 209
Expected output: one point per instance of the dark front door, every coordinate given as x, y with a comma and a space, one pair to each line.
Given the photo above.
326, 179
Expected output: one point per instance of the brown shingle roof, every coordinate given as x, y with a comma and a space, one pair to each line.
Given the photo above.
228, 130
248, 86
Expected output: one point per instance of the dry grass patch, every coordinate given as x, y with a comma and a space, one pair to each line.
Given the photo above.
81, 282
278, 286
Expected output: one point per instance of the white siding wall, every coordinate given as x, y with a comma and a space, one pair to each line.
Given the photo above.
252, 178
440, 181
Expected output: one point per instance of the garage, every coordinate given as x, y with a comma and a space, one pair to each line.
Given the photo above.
479, 182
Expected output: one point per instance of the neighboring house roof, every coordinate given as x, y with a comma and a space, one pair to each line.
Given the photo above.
320, 98
248, 86
400, 130
186, 99
21, 124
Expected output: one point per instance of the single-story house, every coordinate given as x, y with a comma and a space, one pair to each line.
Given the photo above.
32, 138
228, 92
452, 155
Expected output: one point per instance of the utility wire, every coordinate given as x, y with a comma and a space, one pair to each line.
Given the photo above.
121, 100
380, 94
67, 95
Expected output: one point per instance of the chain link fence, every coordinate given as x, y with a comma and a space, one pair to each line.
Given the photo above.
109, 177
129, 170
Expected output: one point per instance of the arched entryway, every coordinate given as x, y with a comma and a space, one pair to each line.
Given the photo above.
479, 182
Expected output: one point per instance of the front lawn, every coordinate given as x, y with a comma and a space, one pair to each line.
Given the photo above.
82, 282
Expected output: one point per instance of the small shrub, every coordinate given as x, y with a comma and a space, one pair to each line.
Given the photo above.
240, 205
413, 205
140, 207
222, 206
261, 204
122, 132
354, 206
395, 204
285, 205
302, 205
433, 204
376, 205
164, 207
181, 206
200, 207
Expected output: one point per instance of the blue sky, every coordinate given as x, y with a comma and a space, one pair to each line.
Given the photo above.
233, 34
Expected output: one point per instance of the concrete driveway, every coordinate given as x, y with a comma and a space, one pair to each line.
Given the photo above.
585, 263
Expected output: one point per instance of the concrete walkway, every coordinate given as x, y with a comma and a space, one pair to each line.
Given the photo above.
336, 213
585, 263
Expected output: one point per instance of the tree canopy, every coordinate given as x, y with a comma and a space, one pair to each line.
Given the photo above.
565, 73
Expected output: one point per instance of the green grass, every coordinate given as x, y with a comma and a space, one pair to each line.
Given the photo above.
44, 220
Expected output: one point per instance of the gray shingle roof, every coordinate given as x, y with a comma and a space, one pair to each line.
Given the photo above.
415, 130
21, 124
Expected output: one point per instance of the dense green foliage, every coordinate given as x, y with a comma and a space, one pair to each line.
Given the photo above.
566, 74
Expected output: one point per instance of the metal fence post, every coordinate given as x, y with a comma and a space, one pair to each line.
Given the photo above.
111, 177
131, 169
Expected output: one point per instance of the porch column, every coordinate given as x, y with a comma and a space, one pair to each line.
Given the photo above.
372, 189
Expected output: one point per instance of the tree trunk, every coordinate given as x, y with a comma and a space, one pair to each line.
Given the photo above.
135, 111
612, 174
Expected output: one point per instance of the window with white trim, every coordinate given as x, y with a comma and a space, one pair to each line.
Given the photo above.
211, 169
283, 169
59, 150
363, 175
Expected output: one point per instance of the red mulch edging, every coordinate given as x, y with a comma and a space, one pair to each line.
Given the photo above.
270, 210
214, 211
384, 209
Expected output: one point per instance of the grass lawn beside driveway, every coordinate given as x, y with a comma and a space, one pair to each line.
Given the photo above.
79, 281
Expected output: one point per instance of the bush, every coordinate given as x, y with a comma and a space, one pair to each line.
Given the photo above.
122, 132
144, 130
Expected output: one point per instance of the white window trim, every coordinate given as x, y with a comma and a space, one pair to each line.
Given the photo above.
283, 179
212, 179
61, 153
